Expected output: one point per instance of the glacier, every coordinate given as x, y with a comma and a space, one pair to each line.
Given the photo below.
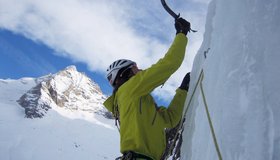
239, 57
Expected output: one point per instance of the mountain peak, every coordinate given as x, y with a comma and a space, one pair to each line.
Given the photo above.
67, 89
71, 68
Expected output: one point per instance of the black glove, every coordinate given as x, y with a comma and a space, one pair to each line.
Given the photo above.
182, 26
185, 83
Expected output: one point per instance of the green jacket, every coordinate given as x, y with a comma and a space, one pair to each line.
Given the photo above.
142, 123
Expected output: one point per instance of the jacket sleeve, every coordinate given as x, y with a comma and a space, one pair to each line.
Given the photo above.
109, 104
147, 80
172, 115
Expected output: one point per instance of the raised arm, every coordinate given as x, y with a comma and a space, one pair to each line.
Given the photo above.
147, 80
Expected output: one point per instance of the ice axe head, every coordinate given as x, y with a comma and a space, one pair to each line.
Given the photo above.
172, 13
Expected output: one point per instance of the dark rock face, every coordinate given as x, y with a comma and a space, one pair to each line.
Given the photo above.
31, 102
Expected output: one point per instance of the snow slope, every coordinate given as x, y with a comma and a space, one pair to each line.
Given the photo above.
241, 84
61, 134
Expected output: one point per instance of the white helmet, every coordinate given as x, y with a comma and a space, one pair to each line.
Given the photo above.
115, 67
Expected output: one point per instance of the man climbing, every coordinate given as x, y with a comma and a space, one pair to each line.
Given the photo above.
141, 121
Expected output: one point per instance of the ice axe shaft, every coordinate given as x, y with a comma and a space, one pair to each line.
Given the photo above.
172, 13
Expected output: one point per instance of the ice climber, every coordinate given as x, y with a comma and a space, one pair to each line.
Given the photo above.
142, 122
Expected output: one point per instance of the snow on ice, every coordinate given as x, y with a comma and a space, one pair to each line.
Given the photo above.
241, 83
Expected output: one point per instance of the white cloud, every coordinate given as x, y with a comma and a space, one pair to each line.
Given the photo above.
99, 32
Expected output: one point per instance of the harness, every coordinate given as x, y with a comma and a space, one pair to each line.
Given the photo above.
133, 156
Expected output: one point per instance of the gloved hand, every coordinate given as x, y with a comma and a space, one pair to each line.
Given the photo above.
182, 26
185, 83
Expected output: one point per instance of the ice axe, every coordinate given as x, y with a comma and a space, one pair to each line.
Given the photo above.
172, 13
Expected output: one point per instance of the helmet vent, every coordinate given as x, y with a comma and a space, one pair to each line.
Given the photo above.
123, 62
114, 64
118, 63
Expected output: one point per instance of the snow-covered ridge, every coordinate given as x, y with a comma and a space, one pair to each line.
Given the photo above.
68, 89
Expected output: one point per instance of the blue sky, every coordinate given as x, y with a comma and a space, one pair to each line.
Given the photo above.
41, 37
22, 57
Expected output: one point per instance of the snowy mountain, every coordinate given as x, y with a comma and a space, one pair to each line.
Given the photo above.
71, 126
67, 89
235, 111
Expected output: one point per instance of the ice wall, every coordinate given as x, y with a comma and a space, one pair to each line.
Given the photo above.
241, 84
